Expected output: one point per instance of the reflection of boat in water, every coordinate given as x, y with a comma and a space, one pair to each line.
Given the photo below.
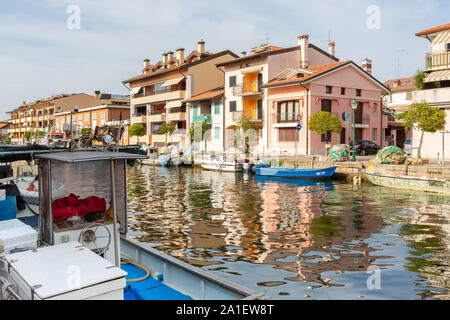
408, 182
93, 243
323, 185
212, 163
291, 173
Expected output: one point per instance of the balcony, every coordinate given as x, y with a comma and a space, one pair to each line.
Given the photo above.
138, 118
201, 118
157, 116
253, 114
248, 89
438, 60
176, 116
159, 95
435, 96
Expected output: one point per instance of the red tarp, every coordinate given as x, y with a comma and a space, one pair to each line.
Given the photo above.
73, 206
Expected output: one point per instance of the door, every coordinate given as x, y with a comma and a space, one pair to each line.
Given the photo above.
358, 135
343, 135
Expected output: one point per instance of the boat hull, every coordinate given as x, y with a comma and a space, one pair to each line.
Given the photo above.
313, 174
411, 183
222, 166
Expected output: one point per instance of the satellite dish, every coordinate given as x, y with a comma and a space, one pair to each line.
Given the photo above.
107, 139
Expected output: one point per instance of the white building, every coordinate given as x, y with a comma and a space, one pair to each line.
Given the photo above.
436, 92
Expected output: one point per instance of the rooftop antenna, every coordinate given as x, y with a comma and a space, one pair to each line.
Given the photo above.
265, 40
398, 60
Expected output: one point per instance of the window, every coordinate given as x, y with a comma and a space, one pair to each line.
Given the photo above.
287, 134
343, 91
260, 109
233, 81
86, 117
448, 46
102, 118
217, 108
232, 106
358, 92
326, 105
374, 134
195, 110
288, 111
217, 133
326, 137
328, 89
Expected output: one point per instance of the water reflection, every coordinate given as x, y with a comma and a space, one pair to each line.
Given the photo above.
291, 238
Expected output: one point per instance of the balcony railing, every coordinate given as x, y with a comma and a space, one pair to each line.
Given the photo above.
158, 91
201, 118
253, 114
286, 117
247, 88
437, 60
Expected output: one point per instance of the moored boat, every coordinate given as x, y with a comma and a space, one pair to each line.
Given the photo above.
292, 173
212, 163
88, 237
408, 182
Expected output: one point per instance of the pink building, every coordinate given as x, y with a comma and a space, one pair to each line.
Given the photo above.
300, 92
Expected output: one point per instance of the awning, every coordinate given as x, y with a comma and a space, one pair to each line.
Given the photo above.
172, 82
173, 104
135, 90
250, 70
438, 76
442, 37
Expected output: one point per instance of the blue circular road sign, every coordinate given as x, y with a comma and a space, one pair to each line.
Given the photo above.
299, 127
347, 116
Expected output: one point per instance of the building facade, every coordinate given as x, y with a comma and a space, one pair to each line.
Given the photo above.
38, 117
158, 95
436, 92
296, 94
245, 96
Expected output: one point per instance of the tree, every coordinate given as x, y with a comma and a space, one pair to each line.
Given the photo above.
28, 135
418, 79
85, 131
243, 125
202, 126
167, 128
323, 122
421, 116
137, 130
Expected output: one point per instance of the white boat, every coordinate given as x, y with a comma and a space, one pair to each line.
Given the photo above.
80, 258
212, 163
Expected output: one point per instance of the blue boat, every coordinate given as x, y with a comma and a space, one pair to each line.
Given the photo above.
291, 173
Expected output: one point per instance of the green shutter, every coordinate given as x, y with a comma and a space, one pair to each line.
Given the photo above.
217, 108
217, 132
195, 110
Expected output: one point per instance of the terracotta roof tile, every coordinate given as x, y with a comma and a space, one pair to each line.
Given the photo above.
401, 84
444, 27
207, 95
316, 70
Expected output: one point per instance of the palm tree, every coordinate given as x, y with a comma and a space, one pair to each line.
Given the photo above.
419, 77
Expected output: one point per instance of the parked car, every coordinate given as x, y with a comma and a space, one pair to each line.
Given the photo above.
364, 147
407, 147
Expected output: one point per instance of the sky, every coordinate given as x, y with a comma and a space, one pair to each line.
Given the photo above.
47, 48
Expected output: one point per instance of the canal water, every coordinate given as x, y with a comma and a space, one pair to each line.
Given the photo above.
294, 239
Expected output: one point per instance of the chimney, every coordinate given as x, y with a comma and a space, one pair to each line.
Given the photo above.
243, 54
164, 60
169, 55
303, 43
201, 46
146, 63
180, 55
331, 48
97, 94
367, 65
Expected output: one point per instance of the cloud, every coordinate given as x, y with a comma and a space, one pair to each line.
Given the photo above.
39, 56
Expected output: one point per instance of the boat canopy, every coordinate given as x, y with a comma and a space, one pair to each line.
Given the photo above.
83, 156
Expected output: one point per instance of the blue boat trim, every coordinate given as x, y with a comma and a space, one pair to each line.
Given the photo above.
319, 173
148, 289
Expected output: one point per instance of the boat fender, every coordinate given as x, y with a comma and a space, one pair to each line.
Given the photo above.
159, 277
2, 246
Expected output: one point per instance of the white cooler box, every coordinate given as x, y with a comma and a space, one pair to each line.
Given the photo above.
14, 234
67, 271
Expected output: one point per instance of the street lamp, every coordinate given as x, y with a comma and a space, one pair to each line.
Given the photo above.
205, 117
354, 107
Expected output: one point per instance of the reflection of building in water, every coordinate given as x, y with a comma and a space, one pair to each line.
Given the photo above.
302, 226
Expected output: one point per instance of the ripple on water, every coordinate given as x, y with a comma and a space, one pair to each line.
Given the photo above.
265, 233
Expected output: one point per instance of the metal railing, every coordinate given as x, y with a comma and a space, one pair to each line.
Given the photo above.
438, 59
158, 91
286, 117
247, 88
